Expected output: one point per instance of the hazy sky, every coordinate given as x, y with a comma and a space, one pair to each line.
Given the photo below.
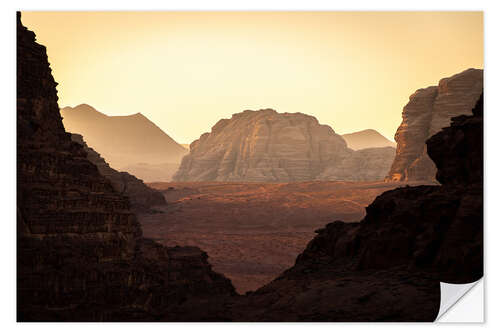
187, 70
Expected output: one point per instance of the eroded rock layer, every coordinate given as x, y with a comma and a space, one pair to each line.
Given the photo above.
427, 112
140, 195
80, 251
267, 146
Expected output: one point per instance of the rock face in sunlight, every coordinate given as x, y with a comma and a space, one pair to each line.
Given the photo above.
80, 251
367, 139
427, 112
267, 146
141, 196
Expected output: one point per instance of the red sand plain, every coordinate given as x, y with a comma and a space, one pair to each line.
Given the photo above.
254, 231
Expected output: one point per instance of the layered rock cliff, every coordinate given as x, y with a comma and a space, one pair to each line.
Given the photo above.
427, 112
139, 194
388, 266
267, 146
80, 251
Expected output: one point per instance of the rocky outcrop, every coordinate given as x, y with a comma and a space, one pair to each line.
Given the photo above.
122, 140
141, 197
267, 146
367, 139
427, 112
388, 267
80, 251
458, 150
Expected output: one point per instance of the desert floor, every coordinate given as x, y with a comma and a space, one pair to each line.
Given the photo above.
254, 231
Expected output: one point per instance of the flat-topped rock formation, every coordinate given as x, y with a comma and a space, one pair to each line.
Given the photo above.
427, 112
267, 146
80, 251
140, 195
122, 140
369, 138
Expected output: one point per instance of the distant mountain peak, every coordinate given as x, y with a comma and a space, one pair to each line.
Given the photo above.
368, 138
138, 115
369, 130
82, 110
122, 140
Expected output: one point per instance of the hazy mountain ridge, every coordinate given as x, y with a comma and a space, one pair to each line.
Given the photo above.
122, 140
368, 138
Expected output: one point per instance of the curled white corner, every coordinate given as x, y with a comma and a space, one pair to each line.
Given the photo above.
451, 294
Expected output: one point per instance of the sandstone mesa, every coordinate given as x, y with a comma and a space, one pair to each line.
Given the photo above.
267, 146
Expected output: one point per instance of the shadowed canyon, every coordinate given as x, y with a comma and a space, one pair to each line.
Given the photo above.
269, 217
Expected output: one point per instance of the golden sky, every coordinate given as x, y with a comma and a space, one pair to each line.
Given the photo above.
187, 70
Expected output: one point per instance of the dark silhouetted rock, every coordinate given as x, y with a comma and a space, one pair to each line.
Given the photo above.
80, 251
458, 150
